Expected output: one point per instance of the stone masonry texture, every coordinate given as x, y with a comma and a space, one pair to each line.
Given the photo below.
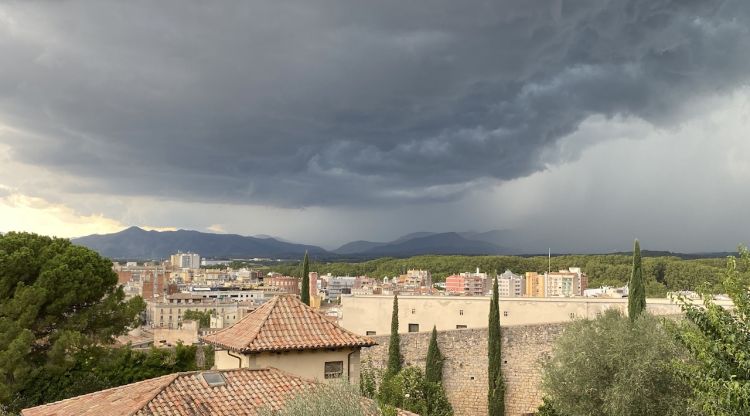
465, 368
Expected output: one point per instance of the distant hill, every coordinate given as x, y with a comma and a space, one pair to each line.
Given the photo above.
136, 243
440, 243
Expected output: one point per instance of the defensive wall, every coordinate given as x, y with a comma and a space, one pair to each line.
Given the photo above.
371, 314
524, 348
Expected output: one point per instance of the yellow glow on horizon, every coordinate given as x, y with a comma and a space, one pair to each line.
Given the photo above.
20, 212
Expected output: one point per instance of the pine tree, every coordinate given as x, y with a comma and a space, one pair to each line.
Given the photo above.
305, 295
434, 368
636, 287
394, 347
496, 393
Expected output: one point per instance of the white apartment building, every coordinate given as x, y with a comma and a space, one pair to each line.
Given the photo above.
510, 285
185, 260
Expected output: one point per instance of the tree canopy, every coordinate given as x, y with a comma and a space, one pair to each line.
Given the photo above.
636, 287
56, 299
611, 366
719, 341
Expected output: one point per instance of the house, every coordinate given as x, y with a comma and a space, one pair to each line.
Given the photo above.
199, 393
286, 334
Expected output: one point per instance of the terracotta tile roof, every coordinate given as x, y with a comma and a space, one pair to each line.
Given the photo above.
244, 392
284, 323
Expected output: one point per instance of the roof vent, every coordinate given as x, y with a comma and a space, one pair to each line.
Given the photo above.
214, 379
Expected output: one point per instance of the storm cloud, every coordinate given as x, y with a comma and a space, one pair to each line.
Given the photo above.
341, 103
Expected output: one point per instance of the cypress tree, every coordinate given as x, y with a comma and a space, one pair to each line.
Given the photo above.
636, 287
394, 347
305, 295
434, 369
496, 393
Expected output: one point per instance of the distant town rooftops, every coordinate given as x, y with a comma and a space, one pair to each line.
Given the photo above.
284, 324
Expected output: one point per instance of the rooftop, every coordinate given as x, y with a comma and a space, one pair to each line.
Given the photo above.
217, 393
284, 323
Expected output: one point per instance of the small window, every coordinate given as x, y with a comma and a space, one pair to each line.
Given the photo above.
460, 326
334, 369
505, 313
461, 312
413, 311
370, 333
413, 327
572, 315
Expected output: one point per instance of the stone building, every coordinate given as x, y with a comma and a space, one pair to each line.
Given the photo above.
287, 334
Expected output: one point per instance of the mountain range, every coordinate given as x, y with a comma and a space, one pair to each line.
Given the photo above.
136, 243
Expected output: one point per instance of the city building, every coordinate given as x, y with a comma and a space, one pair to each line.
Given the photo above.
338, 285
567, 283
185, 260
222, 293
467, 284
287, 334
218, 393
168, 313
511, 285
284, 284
534, 285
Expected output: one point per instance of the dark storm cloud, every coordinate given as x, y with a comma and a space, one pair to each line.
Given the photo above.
328, 102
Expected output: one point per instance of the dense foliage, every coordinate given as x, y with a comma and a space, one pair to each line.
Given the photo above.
305, 290
660, 274
202, 317
368, 379
330, 399
98, 368
496, 386
636, 287
611, 366
60, 308
409, 390
57, 301
719, 340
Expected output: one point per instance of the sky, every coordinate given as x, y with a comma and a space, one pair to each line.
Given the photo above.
582, 123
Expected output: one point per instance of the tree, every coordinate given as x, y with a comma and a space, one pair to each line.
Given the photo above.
719, 340
436, 398
394, 346
330, 399
56, 299
496, 393
305, 295
434, 365
409, 390
202, 317
636, 286
611, 366
367, 379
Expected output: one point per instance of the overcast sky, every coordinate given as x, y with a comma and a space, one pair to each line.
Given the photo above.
586, 123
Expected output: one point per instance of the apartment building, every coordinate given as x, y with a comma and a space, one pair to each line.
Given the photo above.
467, 284
511, 285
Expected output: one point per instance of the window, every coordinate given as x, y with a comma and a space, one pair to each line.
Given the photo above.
460, 326
413, 311
333, 369
572, 315
370, 333
505, 313
413, 327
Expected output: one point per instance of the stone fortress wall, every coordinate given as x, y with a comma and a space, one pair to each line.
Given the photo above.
465, 368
